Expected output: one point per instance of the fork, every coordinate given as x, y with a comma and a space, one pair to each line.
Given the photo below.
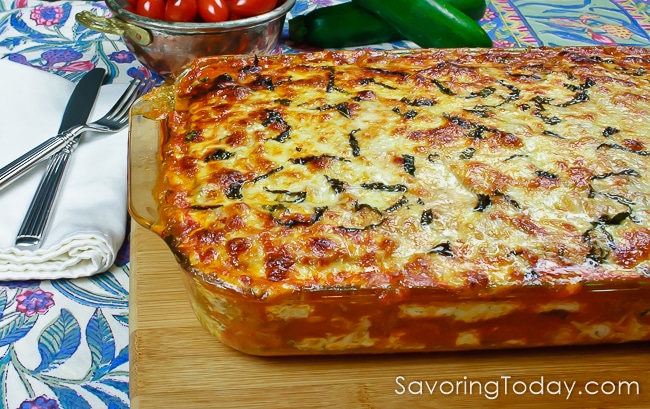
111, 122
31, 232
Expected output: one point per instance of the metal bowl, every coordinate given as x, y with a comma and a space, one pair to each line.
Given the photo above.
165, 47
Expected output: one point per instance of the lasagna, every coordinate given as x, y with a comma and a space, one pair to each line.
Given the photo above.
372, 201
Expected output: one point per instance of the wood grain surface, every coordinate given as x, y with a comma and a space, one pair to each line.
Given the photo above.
175, 363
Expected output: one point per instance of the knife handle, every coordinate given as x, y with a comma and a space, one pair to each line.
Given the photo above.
30, 235
20, 166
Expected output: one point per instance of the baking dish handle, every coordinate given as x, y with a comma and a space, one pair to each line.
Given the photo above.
144, 141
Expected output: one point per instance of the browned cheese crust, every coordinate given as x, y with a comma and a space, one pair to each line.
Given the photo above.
471, 171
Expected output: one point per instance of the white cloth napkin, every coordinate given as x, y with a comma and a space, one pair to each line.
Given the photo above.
88, 224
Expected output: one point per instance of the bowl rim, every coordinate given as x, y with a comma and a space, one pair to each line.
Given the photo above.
181, 27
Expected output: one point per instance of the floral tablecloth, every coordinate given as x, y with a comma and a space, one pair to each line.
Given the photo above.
64, 344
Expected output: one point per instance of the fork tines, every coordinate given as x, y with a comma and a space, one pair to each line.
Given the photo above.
137, 87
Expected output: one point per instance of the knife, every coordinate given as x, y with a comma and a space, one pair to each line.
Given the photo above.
76, 113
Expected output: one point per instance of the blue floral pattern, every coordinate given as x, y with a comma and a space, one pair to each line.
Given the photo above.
79, 329
46, 36
64, 344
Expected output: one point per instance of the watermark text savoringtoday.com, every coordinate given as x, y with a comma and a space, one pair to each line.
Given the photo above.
504, 385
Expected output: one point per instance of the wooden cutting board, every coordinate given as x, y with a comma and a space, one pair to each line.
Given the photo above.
175, 363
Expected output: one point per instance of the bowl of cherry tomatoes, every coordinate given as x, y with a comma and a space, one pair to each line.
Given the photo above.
165, 35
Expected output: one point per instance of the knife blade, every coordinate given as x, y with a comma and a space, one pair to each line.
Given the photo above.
78, 108
82, 100
76, 113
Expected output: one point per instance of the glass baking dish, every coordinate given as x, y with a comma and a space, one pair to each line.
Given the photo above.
345, 320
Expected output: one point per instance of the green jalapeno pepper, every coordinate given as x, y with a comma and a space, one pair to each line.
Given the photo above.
349, 25
429, 23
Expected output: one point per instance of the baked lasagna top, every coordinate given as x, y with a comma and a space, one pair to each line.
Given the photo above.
461, 170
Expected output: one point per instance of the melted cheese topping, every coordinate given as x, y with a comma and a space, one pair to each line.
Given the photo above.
466, 170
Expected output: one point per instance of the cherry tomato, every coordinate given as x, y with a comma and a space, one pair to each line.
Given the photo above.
231, 14
181, 10
151, 8
132, 3
250, 8
234, 16
213, 11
